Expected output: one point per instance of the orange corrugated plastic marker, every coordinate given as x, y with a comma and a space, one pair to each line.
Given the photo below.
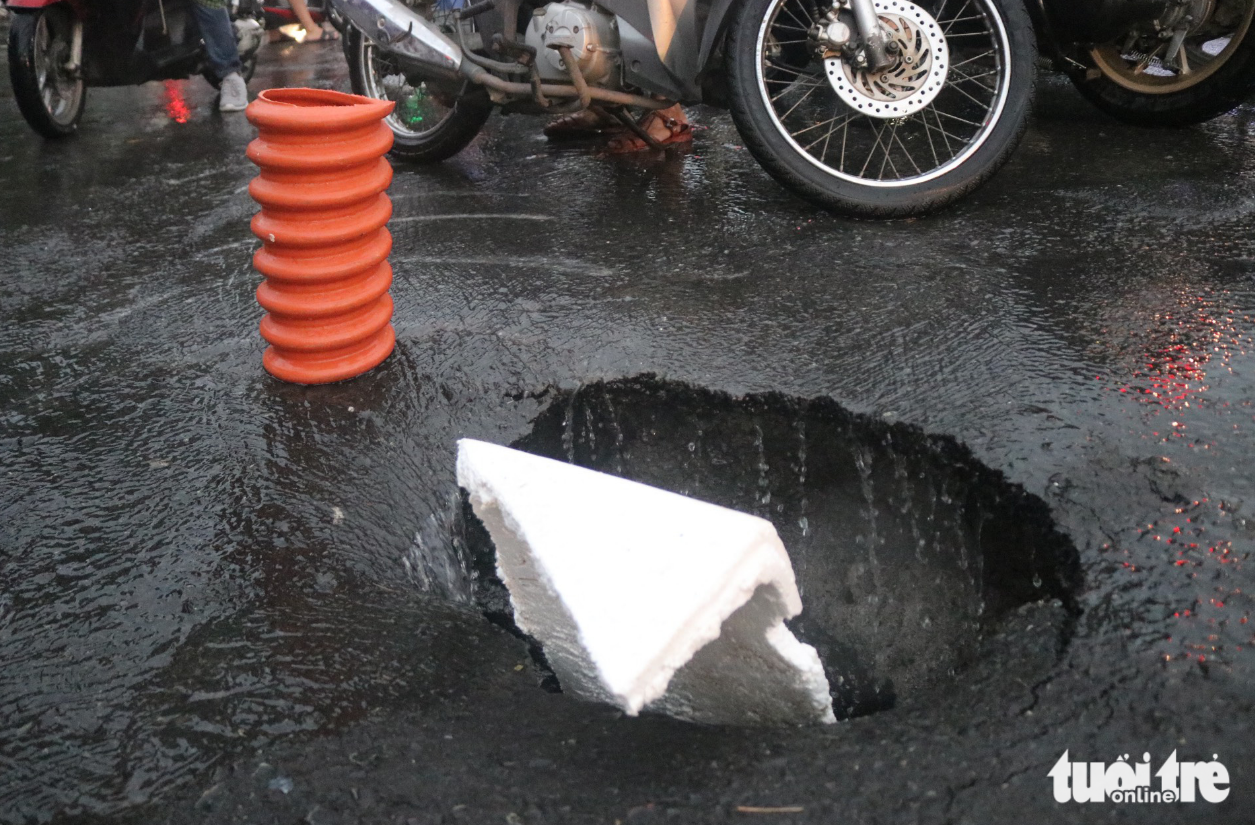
324, 246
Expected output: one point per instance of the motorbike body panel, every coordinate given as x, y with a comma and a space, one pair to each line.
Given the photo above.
110, 34
1064, 26
643, 67
128, 42
668, 47
169, 46
1093, 21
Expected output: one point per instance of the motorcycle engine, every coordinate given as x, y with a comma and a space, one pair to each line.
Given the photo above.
592, 34
249, 35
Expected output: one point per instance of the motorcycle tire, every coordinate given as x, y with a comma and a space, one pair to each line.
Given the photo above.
1153, 103
40, 41
855, 171
462, 112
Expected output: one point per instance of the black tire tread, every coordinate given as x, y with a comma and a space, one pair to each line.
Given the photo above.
1231, 86
26, 86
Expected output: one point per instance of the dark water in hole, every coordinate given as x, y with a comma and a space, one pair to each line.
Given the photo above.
907, 550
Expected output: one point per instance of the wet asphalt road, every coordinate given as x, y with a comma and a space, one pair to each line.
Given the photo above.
224, 599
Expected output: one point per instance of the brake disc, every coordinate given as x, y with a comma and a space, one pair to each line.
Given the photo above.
921, 65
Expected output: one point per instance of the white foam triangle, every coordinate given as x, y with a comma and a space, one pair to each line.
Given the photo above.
642, 597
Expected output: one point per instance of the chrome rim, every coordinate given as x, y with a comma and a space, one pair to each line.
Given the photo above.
59, 90
1202, 36
874, 150
420, 106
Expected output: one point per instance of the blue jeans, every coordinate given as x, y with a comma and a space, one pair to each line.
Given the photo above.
219, 36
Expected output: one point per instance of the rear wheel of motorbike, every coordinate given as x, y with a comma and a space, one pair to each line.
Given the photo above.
1214, 72
50, 96
903, 141
433, 120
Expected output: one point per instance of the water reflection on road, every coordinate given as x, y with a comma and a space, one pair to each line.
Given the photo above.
195, 560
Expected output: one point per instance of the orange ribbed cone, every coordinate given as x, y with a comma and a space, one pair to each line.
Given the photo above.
324, 246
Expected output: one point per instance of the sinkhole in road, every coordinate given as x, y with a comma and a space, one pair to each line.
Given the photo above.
910, 554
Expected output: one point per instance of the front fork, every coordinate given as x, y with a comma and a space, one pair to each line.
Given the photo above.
875, 38
74, 66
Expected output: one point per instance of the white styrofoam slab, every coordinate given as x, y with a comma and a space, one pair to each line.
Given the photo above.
628, 587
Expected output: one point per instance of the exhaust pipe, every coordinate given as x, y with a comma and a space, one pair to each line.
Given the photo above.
408, 37
404, 34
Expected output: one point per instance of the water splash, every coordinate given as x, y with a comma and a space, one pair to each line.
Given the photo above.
857, 502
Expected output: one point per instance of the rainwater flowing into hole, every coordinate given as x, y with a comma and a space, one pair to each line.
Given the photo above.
910, 554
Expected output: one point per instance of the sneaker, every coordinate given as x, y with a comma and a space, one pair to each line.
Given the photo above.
233, 94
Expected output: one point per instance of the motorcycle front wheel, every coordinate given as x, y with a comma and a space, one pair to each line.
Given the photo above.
1134, 79
432, 120
902, 141
50, 96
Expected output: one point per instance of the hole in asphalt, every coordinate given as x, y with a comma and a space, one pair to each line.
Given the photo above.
918, 565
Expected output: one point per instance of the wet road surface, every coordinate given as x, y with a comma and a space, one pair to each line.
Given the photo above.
225, 599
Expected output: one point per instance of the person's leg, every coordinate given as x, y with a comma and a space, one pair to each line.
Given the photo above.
216, 30
214, 22
313, 31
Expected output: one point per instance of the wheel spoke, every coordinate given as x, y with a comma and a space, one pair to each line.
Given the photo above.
905, 151
792, 86
928, 132
809, 92
981, 56
418, 110
956, 88
891, 140
941, 114
801, 21
1148, 62
845, 138
826, 135
975, 79
949, 24
937, 113
777, 67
